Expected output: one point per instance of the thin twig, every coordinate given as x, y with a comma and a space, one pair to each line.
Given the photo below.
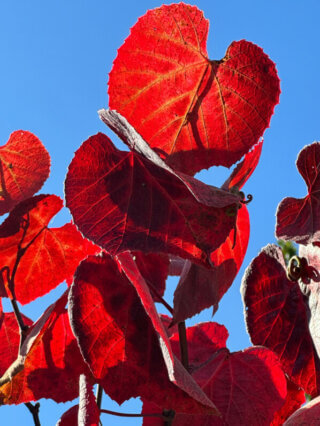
34, 410
116, 413
183, 344
99, 396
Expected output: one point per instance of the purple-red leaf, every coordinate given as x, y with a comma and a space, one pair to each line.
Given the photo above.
200, 287
194, 111
278, 317
298, 219
24, 167
123, 201
119, 342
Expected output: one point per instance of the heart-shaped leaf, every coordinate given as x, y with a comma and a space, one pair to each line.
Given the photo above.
24, 167
194, 111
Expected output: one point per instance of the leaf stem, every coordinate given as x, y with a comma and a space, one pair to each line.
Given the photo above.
34, 410
183, 344
166, 415
161, 299
99, 396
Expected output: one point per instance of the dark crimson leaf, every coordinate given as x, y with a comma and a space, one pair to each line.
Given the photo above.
295, 398
19, 178
69, 417
278, 317
298, 219
51, 254
200, 287
247, 386
9, 338
194, 111
123, 201
309, 414
154, 269
119, 342
49, 362
244, 170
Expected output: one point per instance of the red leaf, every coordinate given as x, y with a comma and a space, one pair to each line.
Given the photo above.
244, 170
51, 255
199, 287
295, 398
69, 417
309, 414
154, 269
298, 219
9, 338
119, 342
277, 317
19, 178
123, 201
247, 386
49, 362
194, 111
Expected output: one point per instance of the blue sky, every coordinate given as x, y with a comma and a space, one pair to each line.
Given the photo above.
55, 59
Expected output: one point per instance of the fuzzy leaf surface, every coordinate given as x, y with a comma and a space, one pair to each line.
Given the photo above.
298, 219
106, 312
122, 201
24, 167
195, 112
277, 316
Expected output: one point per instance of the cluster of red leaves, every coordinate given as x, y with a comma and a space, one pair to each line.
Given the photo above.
147, 216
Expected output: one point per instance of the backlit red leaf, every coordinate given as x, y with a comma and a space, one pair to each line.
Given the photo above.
194, 111
295, 398
298, 219
24, 167
309, 415
123, 201
278, 317
247, 386
51, 255
244, 170
199, 287
49, 362
119, 342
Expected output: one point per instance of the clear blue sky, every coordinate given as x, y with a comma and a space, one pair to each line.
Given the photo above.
55, 58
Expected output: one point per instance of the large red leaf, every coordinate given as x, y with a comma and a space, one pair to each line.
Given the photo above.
199, 287
194, 111
9, 338
298, 219
277, 317
41, 257
123, 201
308, 415
247, 386
49, 362
118, 339
24, 167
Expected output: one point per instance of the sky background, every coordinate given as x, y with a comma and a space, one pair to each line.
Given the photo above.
55, 58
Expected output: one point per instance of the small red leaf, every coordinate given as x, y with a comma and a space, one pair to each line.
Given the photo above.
44, 256
200, 288
298, 219
309, 414
20, 179
194, 111
69, 417
49, 362
123, 201
295, 398
244, 170
119, 342
277, 317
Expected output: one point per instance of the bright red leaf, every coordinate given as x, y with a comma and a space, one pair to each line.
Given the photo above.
118, 339
295, 398
44, 256
24, 167
278, 317
298, 219
49, 362
193, 111
123, 201
309, 415
244, 170
199, 287
247, 386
